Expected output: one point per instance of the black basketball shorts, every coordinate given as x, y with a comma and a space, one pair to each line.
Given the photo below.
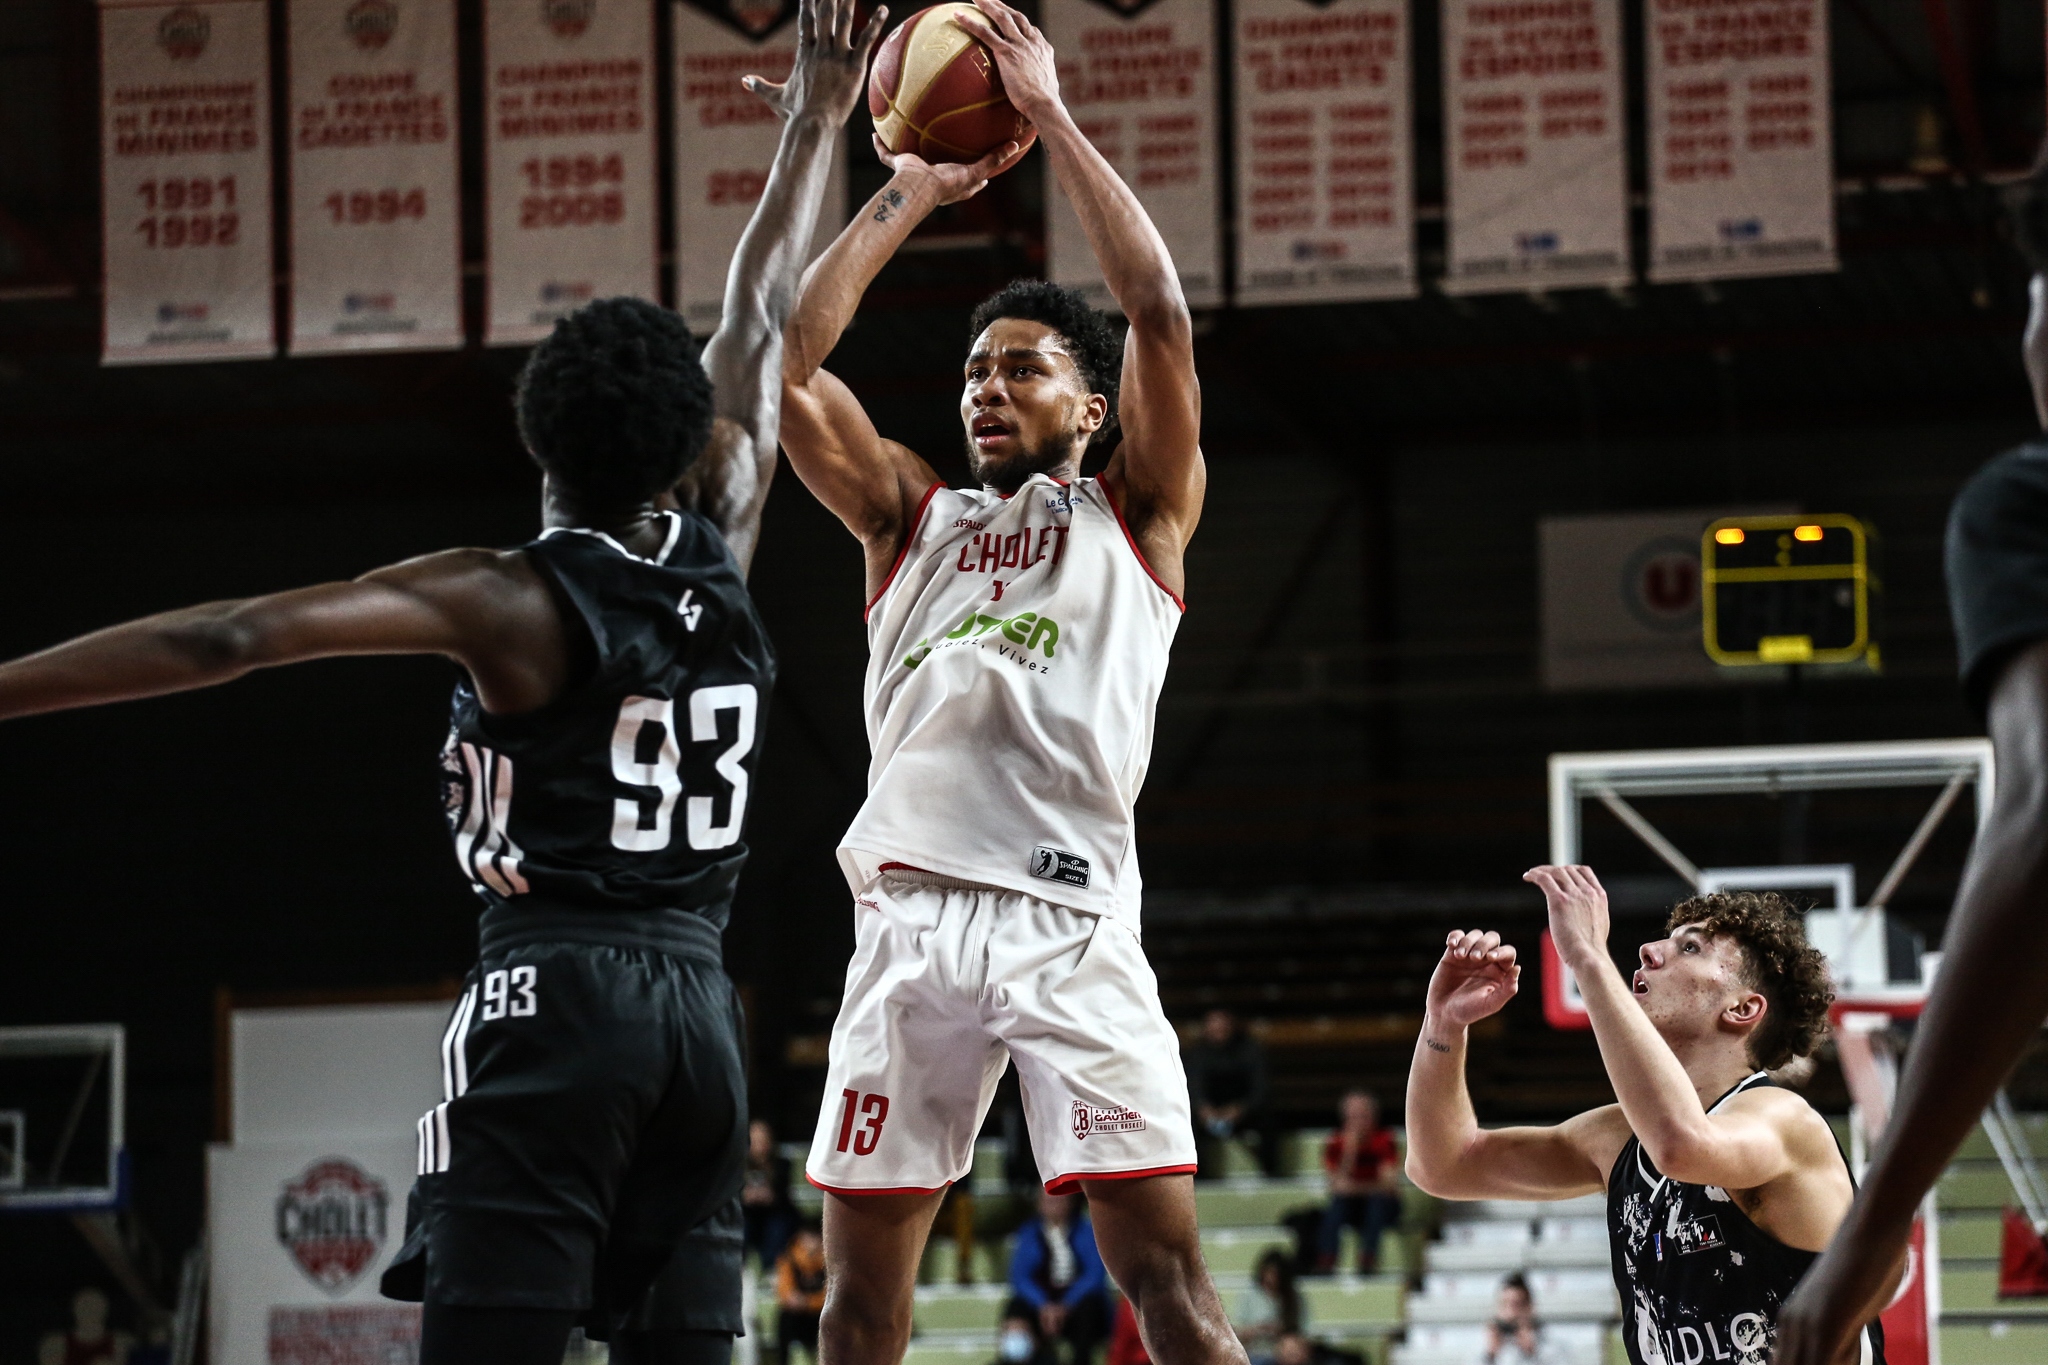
593, 1133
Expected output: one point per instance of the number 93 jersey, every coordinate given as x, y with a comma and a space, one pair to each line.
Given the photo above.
627, 793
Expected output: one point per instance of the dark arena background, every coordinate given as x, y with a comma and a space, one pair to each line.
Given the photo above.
1351, 749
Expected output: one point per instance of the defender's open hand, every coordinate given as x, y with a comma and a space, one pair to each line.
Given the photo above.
955, 181
831, 65
1477, 975
1031, 78
1578, 911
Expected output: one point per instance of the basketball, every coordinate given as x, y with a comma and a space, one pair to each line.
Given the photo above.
935, 91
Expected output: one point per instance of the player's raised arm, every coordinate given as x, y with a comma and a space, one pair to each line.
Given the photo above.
461, 604
1748, 1142
872, 484
729, 483
1157, 469
1449, 1154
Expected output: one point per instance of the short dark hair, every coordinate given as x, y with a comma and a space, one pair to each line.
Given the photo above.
2026, 204
1098, 349
1783, 967
1516, 1280
615, 404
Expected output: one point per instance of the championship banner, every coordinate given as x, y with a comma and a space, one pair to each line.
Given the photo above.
185, 180
1741, 147
569, 160
1140, 78
1324, 179
1536, 173
726, 139
376, 215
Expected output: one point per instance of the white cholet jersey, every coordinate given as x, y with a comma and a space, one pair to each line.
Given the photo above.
1017, 652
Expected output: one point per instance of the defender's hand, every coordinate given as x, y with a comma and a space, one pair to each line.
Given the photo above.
1821, 1322
1024, 58
828, 77
1477, 975
1578, 911
954, 181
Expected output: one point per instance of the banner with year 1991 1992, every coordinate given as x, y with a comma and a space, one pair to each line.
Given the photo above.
568, 161
185, 180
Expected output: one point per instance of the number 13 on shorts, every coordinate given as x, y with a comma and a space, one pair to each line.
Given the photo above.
872, 1111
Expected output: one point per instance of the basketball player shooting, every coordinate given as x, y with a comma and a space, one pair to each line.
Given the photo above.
1721, 1187
604, 738
1019, 635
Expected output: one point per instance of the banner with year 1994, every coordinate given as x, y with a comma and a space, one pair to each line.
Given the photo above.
1324, 183
569, 159
185, 180
1535, 172
1742, 177
376, 216
726, 139
1140, 78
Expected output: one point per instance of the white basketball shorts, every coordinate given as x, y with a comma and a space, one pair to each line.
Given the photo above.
949, 981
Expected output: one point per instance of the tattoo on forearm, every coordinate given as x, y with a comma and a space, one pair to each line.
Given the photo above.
1434, 1045
891, 199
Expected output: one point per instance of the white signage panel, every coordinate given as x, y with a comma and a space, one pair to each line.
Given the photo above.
185, 180
1535, 122
1324, 176
1141, 82
568, 160
726, 140
1741, 140
376, 213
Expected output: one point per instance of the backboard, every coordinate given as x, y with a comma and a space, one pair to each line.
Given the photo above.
63, 1102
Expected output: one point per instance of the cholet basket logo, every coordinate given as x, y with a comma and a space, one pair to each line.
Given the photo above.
182, 33
371, 23
568, 18
333, 1220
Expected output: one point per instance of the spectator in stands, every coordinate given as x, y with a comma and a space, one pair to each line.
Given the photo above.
1227, 1090
1017, 1343
1270, 1308
764, 1195
800, 1292
1057, 1279
1514, 1337
1364, 1169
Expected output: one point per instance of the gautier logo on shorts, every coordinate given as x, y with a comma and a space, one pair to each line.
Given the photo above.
1055, 866
1113, 1118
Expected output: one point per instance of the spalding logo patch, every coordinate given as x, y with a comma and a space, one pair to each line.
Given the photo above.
1055, 866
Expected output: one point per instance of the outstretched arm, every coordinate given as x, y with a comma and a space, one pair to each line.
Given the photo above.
1741, 1147
872, 484
485, 610
1449, 1154
730, 481
1157, 469
1986, 1006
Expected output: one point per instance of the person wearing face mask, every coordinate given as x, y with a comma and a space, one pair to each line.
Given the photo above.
1057, 1280
1721, 1187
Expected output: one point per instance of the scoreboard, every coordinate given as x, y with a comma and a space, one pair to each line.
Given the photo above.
1792, 589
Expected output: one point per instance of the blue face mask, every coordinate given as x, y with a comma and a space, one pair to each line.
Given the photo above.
1016, 1346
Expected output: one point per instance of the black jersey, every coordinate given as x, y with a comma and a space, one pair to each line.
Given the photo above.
625, 797
1700, 1284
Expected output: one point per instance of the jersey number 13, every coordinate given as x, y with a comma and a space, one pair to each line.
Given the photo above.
662, 778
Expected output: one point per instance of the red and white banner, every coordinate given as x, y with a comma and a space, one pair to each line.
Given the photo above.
1324, 177
1535, 163
568, 161
1741, 147
376, 215
726, 139
1140, 78
185, 180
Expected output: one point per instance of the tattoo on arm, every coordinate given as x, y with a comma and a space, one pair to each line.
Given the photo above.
1434, 1045
891, 199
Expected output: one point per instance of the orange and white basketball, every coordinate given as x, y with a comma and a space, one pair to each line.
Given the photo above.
935, 91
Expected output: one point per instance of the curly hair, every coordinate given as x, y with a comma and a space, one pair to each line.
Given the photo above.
1782, 966
1098, 350
615, 404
